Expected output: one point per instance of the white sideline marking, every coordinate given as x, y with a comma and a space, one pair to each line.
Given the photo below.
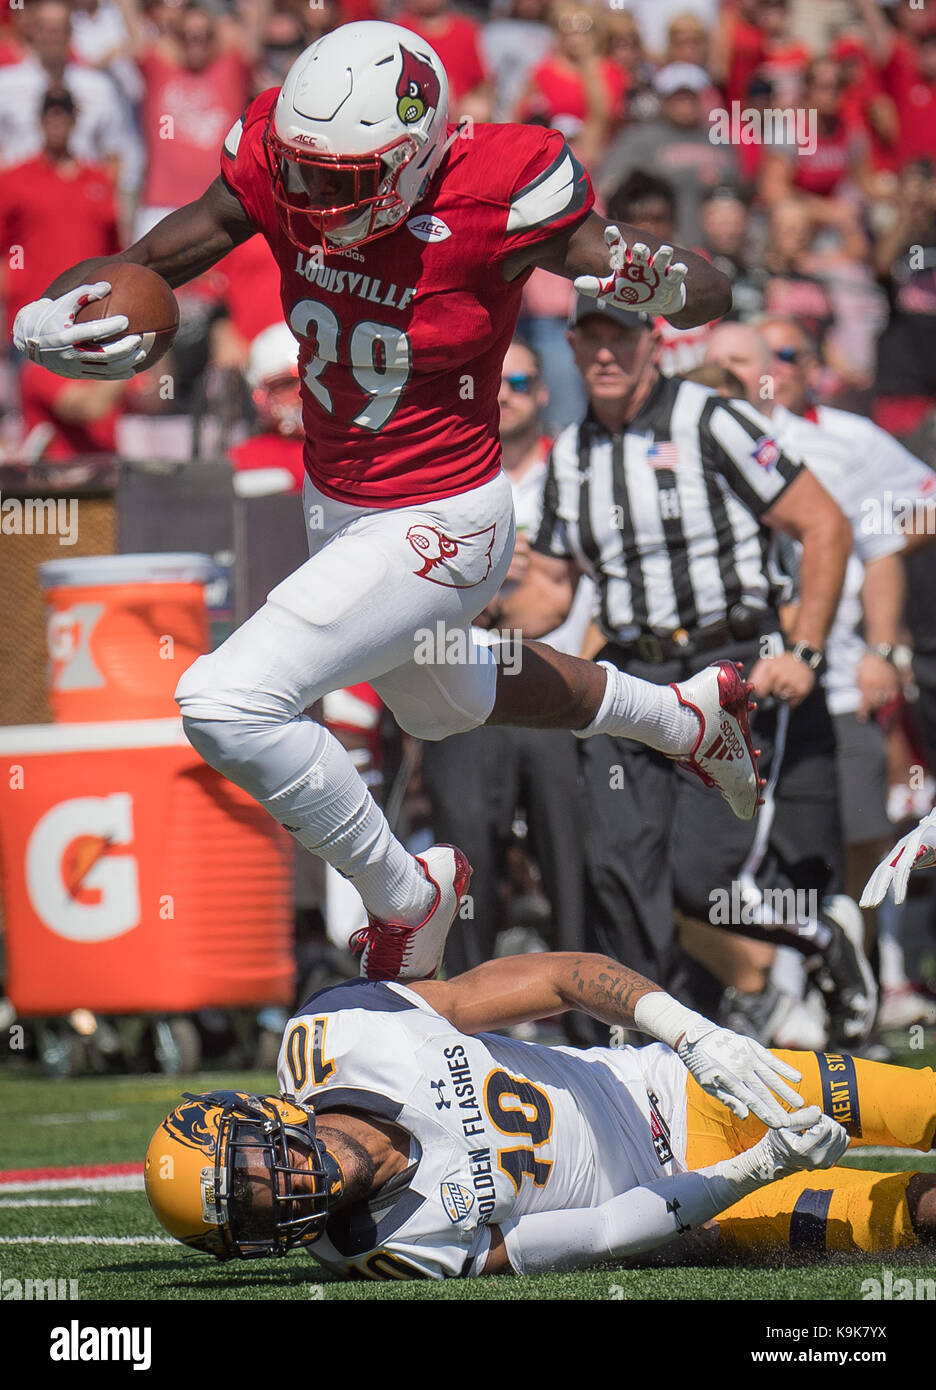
50, 1202
111, 1182
87, 1240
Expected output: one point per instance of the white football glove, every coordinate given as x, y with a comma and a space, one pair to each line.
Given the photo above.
639, 281
809, 1140
915, 851
45, 332
734, 1069
739, 1072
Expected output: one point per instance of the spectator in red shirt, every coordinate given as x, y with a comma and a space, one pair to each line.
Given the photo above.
250, 291
52, 208
197, 82
906, 54
840, 156
575, 88
866, 105
79, 417
624, 46
456, 40
758, 43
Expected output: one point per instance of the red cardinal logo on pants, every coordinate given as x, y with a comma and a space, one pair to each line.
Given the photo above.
435, 548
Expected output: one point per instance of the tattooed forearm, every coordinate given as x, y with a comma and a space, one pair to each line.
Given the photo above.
606, 990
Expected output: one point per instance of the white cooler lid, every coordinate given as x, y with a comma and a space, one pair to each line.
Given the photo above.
127, 569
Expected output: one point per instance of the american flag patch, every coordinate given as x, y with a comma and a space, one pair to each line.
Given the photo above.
766, 452
663, 454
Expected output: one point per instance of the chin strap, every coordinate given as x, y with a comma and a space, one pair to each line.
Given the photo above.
335, 1177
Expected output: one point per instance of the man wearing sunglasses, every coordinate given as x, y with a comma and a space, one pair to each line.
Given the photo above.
666, 495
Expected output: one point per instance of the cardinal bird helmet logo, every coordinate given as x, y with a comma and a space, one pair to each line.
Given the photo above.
417, 89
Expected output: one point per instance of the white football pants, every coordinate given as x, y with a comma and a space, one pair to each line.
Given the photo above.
386, 597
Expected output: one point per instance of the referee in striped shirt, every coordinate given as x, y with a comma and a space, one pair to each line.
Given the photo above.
666, 494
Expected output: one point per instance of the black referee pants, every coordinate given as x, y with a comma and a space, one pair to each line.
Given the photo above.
475, 782
657, 839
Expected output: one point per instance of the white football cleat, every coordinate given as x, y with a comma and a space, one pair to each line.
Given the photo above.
723, 755
395, 951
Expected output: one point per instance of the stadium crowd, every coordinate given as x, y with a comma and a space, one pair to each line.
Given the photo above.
112, 112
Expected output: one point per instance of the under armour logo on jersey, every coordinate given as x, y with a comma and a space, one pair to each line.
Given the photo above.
441, 1103
472, 554
673, 1208
726, 746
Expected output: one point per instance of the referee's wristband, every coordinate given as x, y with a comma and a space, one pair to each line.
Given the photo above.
664, 1018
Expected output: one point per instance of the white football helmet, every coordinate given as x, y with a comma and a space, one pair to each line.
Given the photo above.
272, 373
356, 134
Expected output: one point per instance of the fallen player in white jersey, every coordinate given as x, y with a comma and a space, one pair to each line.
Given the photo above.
409, 1142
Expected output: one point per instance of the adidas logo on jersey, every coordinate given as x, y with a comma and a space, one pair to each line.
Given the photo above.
429, 228
457, 1200
726, 746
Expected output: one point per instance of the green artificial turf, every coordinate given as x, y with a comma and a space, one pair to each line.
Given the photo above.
103, 1120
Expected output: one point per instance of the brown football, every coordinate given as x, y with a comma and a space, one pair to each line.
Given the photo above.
147, 301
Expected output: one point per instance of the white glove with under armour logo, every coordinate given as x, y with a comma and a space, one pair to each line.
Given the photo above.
45, 331
915, 851
639, 281
734, 1069
809, 1140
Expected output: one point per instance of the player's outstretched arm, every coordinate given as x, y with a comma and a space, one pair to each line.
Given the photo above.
632, 270
187, 242
181, 246
649, 1216
518, 989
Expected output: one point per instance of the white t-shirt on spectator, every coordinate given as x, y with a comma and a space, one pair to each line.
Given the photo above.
511, 49
869, 474
103, 127
98, 34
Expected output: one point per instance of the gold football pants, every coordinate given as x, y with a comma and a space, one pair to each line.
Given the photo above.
836, 1208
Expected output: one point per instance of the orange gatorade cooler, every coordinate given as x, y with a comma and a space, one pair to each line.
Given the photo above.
135, 878
121, 630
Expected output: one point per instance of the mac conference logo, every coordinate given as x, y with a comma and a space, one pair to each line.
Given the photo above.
429, 228
82, 883
457, 1199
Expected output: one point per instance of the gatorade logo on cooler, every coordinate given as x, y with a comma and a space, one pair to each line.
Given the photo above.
69, 643
79, 882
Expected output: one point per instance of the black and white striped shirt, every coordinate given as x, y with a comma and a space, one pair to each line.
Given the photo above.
665, 514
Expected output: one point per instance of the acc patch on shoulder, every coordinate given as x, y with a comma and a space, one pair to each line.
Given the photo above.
457, 1200
766, 452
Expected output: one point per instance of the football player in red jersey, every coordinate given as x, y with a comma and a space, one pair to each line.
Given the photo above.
404, 244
